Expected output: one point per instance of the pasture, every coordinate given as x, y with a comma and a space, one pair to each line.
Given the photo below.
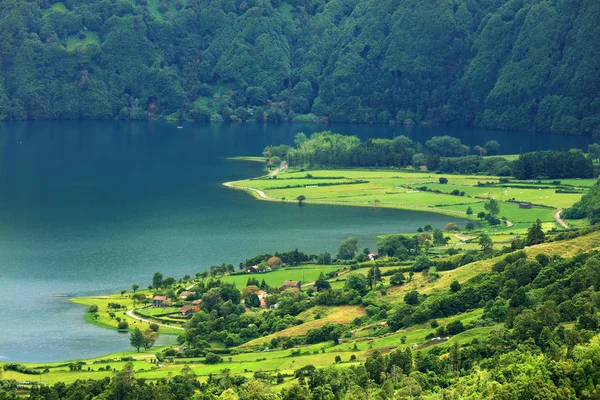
408, 189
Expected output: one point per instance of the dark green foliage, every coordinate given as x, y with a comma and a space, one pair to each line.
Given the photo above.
397, 279
321, 283
535, 234
357, 282
587, 207
348, 248
553, 165
525, 65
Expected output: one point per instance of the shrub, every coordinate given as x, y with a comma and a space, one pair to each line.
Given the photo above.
212, 358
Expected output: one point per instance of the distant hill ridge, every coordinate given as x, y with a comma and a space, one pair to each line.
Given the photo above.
525, 64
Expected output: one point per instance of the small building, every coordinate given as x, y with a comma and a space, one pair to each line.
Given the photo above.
372, 256
185, 294
185, 311
252, 270
525, 205
196, 305
161, 301
292, 285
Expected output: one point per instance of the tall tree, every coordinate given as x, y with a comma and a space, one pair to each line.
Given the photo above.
535, 234
136, 339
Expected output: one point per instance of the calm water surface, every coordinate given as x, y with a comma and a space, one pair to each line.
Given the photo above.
90, 207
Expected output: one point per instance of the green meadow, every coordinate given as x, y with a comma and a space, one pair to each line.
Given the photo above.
305, 273
411, 189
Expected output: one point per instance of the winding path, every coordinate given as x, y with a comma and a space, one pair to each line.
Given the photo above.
132, 315
257, 191
460, 237
559, 220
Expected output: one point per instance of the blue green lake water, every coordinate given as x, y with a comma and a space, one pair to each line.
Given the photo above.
94, 206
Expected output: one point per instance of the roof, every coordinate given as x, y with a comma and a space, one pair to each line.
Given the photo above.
195, 302
291, 283
185, 293
159, 298
185, 309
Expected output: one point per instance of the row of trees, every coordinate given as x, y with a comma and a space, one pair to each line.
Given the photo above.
327, 149
441, 153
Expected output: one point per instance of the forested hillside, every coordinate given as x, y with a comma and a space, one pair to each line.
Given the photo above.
518, 64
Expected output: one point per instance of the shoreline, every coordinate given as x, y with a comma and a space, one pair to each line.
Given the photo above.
261, 195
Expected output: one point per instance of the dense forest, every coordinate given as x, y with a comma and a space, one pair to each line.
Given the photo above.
516, 64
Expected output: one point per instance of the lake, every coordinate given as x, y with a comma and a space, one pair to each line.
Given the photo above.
94, 206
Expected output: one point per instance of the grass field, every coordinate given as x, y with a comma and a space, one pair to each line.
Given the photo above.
329, 315
106, 321
404, 189
304, 273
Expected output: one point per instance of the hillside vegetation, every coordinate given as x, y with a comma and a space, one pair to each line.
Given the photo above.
515, 324
526, 64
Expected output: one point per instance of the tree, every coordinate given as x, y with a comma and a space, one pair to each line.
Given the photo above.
157, 280
470, 226
443, 180
438, 238
135, 287
412, 298
348, 248
451, 226
274, 262
250, 289
469, 210
397, 279
301, 199
427, 228
212, 358
357, 282
535, 234
455, 327
492, 147
418, 160
492, 206
374, 276
253, 300
594, 151
481, 215
321, 283
482, 151
123, 325
149, 339
485, 242
338, 359
136, 339
455, 286
445, 146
